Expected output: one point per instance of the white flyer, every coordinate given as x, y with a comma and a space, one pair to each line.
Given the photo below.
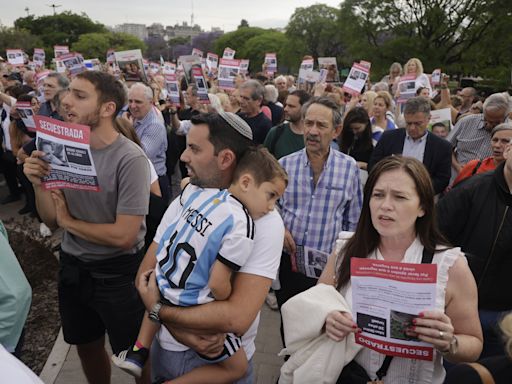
26, 113
270, 62
73, 62
407, 88
309, 261
305, 68
197, 52
386, 298
356, 79
173, 90
39, 57
331, 67
15, 56
131, 65
228, 70
441, 116
228, 53
59, 50
244, 66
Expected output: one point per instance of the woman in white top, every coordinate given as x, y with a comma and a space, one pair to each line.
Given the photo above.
397, 222
415, 67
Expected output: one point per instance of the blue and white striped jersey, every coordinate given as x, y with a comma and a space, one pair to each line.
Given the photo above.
200, 227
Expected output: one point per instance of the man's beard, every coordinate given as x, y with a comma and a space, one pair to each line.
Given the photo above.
92, 119
212, 181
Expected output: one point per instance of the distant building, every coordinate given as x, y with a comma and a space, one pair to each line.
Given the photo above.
138, 30
183, 30
156, 29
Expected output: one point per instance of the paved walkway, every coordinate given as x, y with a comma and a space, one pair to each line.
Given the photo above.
65, 366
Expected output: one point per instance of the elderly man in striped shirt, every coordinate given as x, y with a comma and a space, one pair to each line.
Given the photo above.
471, 136
323, 197
151, 131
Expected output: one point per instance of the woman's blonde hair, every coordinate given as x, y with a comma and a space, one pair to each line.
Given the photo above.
419, 66
506, 328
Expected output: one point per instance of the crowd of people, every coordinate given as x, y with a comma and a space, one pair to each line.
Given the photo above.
351, 176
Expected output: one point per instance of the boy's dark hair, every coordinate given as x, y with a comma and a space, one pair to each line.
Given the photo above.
108, 88
260, 163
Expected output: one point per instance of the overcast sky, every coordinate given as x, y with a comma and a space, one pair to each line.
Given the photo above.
207, 13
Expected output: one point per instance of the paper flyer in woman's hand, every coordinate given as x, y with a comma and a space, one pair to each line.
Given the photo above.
386, 297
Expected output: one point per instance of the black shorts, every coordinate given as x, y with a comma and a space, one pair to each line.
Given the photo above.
90, 306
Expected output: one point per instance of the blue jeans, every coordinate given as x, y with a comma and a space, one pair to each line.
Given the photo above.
171, 364
493, 341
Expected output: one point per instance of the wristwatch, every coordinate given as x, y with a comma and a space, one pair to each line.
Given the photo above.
453, 347
154, 314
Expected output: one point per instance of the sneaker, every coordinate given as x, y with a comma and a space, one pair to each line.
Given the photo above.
131, 361
271, 301
44, 230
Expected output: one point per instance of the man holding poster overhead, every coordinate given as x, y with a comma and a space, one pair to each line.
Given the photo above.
103, 231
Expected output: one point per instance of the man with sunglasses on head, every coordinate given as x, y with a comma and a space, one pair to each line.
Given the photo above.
471, 136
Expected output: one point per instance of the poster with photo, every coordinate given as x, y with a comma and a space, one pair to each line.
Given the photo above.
244, 66
39, 57
168, 68
131, 65
15, 56
202, 86
154, 68
386, 297
270, 62
441, 118
407, 88
187, 63
305, 67
436, 77
228, 71
197, 52
173, 90
309, 261
330, 66
228, 53
67, 149
60, 50
73, 62
25, 111
356, 79
212, 64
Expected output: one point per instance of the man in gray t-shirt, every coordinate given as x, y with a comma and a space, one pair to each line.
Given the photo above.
103, 231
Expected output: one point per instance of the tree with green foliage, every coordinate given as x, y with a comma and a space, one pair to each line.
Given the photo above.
61, 29
237, 39
437, 32
243, 24
18, 38
314, 30
96, 45
255, 48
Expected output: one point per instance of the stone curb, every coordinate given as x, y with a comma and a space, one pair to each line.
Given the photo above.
55, 360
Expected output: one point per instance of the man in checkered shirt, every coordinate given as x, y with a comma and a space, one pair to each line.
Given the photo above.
323, 197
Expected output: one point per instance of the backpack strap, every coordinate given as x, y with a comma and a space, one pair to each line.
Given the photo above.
483, 372
427, 256
476, 167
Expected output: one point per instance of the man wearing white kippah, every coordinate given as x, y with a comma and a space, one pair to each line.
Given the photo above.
215, 143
